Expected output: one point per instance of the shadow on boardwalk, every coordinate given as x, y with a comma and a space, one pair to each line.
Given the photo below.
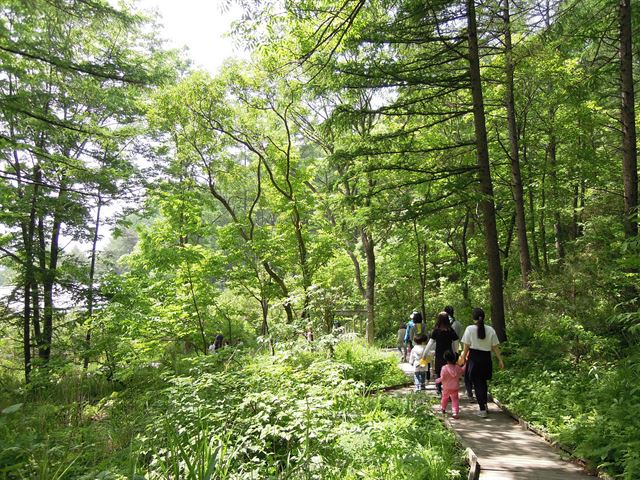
504, 449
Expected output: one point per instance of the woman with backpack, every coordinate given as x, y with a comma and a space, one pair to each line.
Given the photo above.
479, 341
442, 337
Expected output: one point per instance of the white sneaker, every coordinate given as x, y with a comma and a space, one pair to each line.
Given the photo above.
482, 413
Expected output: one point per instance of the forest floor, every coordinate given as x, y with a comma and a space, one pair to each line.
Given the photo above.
505, 450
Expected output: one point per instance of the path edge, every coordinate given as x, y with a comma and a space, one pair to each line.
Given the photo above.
472, 458
595, 471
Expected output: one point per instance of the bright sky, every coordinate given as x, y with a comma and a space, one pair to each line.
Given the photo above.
200, 25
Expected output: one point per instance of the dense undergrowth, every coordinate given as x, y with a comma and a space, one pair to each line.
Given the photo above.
580, 386
299, 414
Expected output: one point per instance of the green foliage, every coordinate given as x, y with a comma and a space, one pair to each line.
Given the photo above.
369, 365
569, 382
234, 415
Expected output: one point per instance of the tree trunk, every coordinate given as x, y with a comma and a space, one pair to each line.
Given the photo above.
42, 261
574, 218
628, 120
304, 263
50, 277
516, 177
283, 287
557, 220
368, 245
358, 272
422, 268
465, 257
92, 270
264, 306
532, 216
583, 189
28, 232
507, 247
486, 184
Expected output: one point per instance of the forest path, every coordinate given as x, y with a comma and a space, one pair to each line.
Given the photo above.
505, 450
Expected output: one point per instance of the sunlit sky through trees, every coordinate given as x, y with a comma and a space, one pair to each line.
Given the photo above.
200, 25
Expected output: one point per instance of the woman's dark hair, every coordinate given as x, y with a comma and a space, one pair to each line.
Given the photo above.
478, 317
417, 317
449, 310
449, 357
442, 321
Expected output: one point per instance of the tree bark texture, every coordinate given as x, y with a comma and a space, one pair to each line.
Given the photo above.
516, 177
628, 121
368, 245
486, 185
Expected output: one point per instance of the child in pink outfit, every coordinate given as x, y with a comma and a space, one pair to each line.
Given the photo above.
450, 380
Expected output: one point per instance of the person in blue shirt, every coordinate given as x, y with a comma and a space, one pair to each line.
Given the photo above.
415, 327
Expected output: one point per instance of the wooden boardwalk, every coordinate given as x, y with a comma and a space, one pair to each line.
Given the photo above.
505, 450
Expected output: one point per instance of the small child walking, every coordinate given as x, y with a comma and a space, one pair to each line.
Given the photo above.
420, 361
450, 380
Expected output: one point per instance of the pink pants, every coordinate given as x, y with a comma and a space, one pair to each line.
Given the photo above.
454, 400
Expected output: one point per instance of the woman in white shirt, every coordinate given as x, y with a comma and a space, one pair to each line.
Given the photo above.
479, 340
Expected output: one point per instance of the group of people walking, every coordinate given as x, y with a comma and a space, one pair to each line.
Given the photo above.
441, 348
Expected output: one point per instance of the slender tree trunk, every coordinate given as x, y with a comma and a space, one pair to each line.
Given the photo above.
358, 273
283, 287
90, 293
304, 263
557, 220
422, 268
486, 184
42, 261
368, 245
50, 277
543, 206
516, 177
507, 247
26, 331
28, 234
264, 328
628, 120
576, 206
465, 257
532, 216
583, 189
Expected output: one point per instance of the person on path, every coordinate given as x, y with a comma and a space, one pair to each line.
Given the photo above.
479, 340
457, 327
420, 361
415, 327
402, 347
308, 334
450, 381
217, 344
443, 337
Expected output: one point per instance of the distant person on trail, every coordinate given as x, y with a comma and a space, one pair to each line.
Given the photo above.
309, 334
217, 344
420, 361
457, 327
443, 337
402, 347
479, 340
450, 381
415, 327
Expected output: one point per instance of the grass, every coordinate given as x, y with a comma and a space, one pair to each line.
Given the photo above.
300, 414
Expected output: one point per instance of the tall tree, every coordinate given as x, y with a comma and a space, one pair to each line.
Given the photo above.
484, 173
514, 150
628, 121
